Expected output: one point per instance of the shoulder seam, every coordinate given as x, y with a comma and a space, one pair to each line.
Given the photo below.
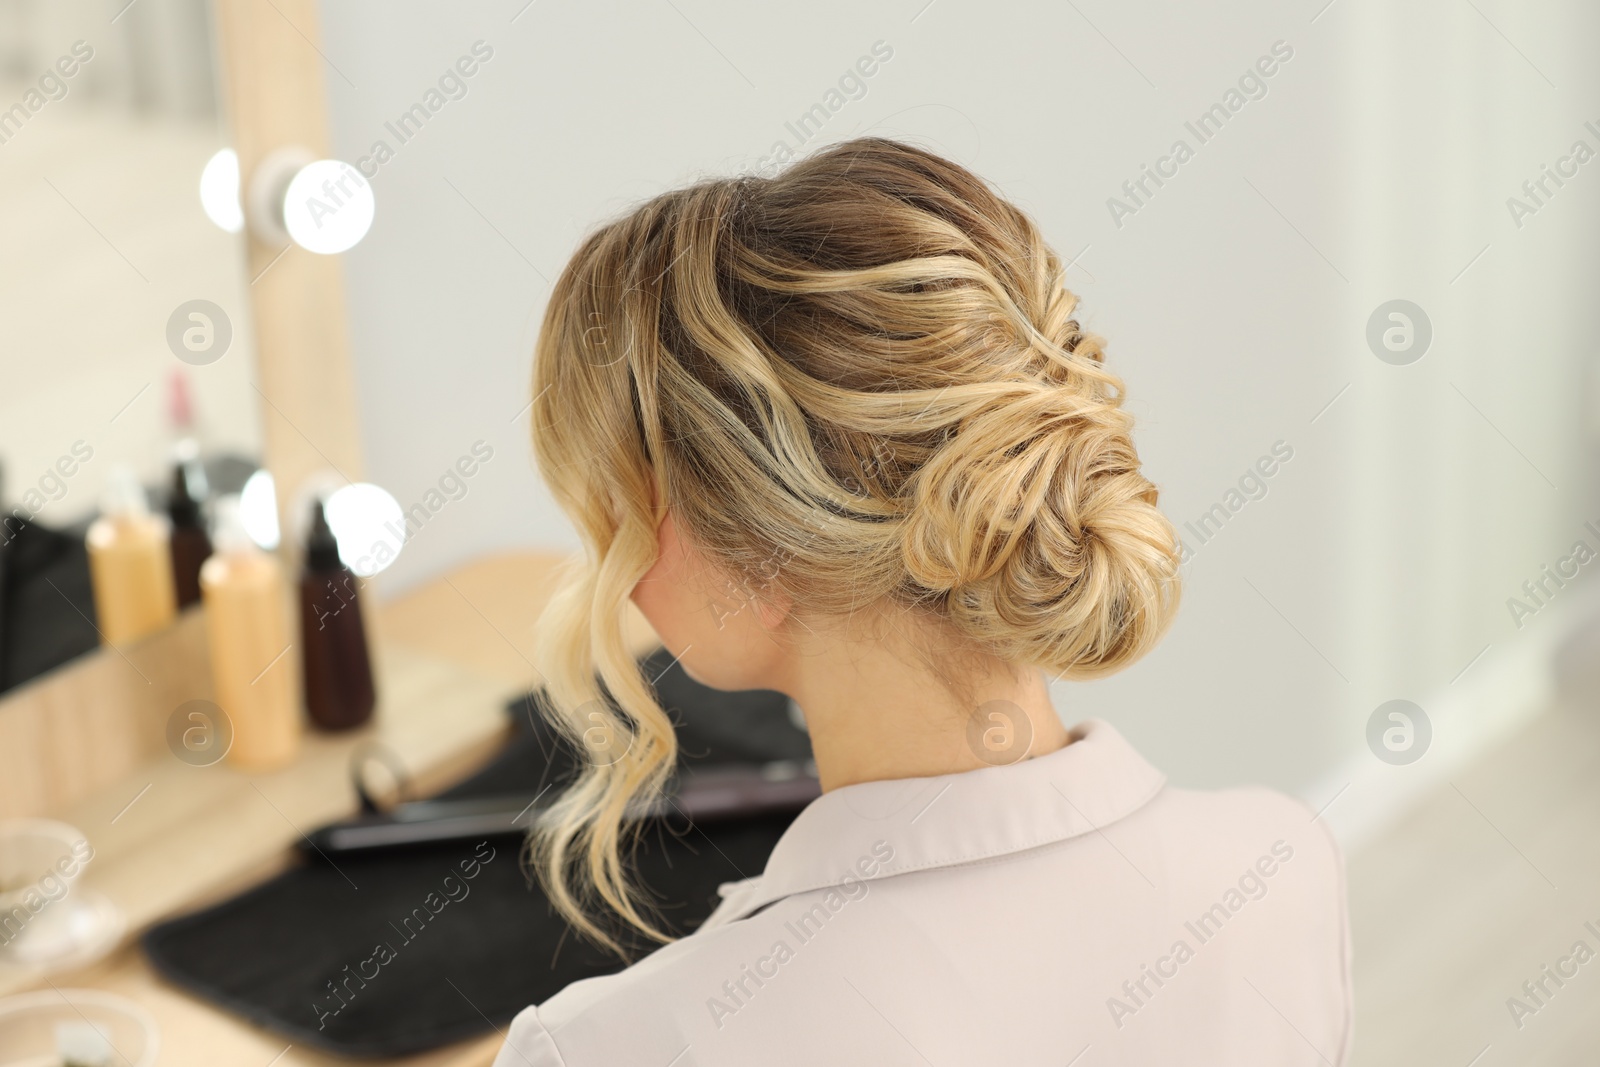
542, 1055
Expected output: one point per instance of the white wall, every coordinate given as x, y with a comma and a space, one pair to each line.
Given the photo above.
1235, 299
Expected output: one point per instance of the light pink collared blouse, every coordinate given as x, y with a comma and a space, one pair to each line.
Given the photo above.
1069, 909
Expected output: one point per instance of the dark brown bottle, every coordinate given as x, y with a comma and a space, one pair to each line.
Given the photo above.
338, 670
190, 544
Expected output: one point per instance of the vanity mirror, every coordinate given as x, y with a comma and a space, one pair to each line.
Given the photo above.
127, 405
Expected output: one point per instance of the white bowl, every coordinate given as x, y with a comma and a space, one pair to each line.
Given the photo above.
45, 920
28, 1024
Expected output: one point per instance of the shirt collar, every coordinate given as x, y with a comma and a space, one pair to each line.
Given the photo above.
951, 819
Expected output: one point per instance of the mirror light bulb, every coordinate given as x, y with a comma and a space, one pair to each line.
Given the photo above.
219, 191
367, 522
328, 207
258, 510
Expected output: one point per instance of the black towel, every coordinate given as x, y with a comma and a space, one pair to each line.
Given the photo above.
46, 605
394, 953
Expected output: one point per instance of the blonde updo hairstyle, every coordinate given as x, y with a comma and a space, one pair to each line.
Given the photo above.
861, 379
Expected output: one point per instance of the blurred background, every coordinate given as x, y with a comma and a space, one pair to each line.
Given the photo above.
1342, 252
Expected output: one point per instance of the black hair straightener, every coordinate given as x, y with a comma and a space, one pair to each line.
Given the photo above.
710, 794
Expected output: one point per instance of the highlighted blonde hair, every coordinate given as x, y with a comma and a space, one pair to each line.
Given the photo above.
866, 369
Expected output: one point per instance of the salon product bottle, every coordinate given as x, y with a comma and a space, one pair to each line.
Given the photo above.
190, 542
247, 628
130, 563
333, 640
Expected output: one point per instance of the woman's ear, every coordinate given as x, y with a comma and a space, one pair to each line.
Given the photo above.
660, 505
773, 608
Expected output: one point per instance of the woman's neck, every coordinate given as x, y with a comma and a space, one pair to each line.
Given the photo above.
875, 712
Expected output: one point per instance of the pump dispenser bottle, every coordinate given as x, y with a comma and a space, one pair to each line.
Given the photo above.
248, 631
185, 507
130, 568
338, 670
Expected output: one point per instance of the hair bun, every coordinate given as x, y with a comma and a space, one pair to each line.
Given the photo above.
1038, 534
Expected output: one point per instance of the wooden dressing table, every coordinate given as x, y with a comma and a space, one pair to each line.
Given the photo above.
169, 837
